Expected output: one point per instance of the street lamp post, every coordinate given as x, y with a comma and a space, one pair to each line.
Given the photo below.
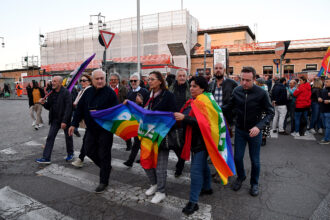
3, 42
100, 24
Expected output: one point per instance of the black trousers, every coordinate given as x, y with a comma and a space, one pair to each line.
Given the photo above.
135, 150
53, 130
83, 149
98, 146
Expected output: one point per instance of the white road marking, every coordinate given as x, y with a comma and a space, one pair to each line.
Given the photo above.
16, 205
33, 143
138, 170
8, 151
126, 195
307, 136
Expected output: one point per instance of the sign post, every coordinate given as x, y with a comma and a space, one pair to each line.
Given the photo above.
207, 48
280, 50
105, 39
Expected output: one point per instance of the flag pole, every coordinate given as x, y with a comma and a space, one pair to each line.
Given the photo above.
326, 71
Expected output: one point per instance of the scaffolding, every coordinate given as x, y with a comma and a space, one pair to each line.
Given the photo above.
66, 49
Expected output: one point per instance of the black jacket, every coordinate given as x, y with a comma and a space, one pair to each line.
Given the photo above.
93, 99
248, 105
325, 108
228, 86
279, 94
29, 94
60, 107
163, 102
197, 141
143, 92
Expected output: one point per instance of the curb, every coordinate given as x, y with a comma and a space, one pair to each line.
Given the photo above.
322, 212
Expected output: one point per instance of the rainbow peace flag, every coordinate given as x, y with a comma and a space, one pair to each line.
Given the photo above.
131, 120
117, 120
215, 134
153, 127
324, 66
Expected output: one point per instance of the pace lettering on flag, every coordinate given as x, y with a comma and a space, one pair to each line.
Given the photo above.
131, 120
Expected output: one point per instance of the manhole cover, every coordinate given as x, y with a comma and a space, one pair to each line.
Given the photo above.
287, 172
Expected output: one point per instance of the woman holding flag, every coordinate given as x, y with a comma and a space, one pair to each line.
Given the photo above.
199, 171
205, 135
160, 100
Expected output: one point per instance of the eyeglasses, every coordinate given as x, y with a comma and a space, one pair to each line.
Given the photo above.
113, 80
133, 80
84, 80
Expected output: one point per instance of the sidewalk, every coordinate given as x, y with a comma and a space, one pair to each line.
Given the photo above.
14, 97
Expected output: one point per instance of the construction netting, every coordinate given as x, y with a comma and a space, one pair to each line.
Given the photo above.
65, 49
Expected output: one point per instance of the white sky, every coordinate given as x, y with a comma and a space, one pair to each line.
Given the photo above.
22, 20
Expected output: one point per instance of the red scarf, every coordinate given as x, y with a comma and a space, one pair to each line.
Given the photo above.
187, 144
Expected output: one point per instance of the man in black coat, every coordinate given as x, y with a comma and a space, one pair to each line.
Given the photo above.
222, 88
279, 99
59, 104
98, 141
249, 101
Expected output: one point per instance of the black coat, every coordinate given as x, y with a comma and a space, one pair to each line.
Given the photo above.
197, 141
248, 106
228, 86
93, 99
60, 108
143, 92
279, 94
163, 102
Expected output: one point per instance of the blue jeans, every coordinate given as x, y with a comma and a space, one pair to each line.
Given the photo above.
315, 119
326, 121
199, 174
241, 138
297, 116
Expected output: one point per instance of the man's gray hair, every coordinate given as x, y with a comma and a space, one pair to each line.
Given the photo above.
136, 74
98, 71
116, 75
181, 70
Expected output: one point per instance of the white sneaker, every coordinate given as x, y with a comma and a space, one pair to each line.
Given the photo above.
78, 163
295, 134
36, 127
312, 131
40, 125
158, 197
151, 190
320, 131
33, 123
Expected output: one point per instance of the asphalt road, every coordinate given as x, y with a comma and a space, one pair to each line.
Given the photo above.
294, 181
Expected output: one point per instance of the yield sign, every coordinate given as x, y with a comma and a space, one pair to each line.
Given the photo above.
107, 37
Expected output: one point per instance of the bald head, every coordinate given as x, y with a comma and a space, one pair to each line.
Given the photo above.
57, 83
98, 78
219, 71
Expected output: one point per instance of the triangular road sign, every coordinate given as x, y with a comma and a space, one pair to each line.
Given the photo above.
107, 37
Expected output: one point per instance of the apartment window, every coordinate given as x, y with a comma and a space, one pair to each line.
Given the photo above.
288, 69
267, 70
311, 66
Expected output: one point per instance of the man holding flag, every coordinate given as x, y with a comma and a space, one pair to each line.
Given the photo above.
248, 101
98, 141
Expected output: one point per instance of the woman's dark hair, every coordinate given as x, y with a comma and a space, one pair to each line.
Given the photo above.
159, 76
200, 81
87, 76
303, 79
35, 84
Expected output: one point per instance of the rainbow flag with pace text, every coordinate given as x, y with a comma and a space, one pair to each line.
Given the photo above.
117, 120
325, 64
131, 120
215, 134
